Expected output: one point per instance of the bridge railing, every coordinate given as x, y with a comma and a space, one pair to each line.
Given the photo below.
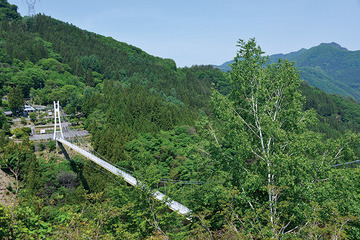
174, 205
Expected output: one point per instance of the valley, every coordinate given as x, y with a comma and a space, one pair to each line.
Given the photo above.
249, 151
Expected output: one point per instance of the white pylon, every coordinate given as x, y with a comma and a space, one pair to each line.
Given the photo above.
57, 117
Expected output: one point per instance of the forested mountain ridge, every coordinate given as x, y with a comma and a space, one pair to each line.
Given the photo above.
259, 172
93, 58
330, 67
100, 77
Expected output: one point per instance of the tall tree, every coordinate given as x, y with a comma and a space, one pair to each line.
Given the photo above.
276, 164
268, 102
16, 99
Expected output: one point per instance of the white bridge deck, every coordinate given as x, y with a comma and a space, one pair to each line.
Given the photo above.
176, 206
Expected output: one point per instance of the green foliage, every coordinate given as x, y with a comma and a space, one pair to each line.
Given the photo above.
264, 169
16, 99
23, 121
30, 77
91, 63
33, 116
21, 132
54, 204
51, 145
4, 222
8, 12
53, 65
126, 111
87, 59
176, 154
15, 157
278, 167
3, 121
41, 146
336, 114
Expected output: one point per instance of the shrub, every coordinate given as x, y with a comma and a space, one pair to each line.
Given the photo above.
41, 146
51, 145
18, 132
32, 117
26, 130
23, 121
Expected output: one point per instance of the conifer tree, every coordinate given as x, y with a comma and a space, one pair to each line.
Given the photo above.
16, 99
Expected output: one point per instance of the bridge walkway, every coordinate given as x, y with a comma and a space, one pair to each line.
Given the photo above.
174, 205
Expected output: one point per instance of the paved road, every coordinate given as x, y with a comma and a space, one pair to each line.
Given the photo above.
69, 134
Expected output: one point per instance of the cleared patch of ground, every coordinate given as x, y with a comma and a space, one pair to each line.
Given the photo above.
7, 183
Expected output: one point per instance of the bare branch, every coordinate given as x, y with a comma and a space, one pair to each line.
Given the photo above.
336, 156
248, 125
257, 155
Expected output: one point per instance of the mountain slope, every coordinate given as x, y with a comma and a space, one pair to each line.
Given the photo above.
328, 66
8, 11
141, 111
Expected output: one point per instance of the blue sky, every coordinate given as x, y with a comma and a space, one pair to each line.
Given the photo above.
206, 31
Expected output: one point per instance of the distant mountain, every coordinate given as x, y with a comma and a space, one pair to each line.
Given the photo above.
328, 66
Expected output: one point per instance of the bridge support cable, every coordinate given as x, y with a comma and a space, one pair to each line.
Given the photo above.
81, 141
357, 162
174, 205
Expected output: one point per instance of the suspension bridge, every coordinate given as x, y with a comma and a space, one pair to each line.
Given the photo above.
129, 178
59, 137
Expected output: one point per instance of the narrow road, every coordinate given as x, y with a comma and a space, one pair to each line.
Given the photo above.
69, 134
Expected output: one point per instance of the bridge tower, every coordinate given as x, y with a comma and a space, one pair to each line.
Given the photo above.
57, 120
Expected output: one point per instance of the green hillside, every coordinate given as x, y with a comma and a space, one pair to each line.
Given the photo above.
248, 151
8, 11
328, 66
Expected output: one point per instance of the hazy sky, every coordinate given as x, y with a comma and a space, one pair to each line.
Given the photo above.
206, 31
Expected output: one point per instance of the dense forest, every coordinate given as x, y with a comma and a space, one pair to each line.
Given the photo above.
248, 151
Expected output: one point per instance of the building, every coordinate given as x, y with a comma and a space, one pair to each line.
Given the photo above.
28, 109
8, 113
